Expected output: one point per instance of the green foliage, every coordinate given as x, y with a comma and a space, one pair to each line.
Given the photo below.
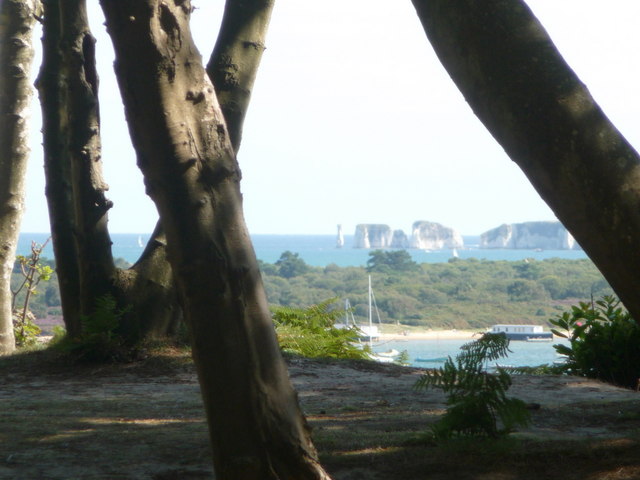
291, 265
389, 261
25, 330
59, 334
477, 401
524, 289
403, 358
33, 271
544, 369
52, 296
99, 340
467, 294
603, 341
311, 332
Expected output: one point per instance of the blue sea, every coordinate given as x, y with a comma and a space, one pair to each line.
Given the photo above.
523, 354
320, 250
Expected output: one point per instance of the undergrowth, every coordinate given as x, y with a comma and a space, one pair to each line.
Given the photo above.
477, 404
603, 342
99, 340
311, 332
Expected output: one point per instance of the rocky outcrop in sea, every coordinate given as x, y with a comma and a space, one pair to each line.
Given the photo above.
400, 240
433, 236
529, 235
372, 235
424, 235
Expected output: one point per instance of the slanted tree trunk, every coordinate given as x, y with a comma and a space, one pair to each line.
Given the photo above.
233, 65
256, 427
534, 105
17, 19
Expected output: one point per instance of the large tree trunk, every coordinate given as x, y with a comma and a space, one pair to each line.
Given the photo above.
17, 18
81, 127
76, 187
59, 189
256, 427
68, 85
534, 105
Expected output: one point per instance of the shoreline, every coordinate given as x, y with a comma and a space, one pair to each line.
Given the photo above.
432, 335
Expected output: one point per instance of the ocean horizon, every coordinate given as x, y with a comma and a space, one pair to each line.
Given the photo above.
321, 250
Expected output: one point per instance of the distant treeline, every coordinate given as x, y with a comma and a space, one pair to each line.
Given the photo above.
461, 294
46, 299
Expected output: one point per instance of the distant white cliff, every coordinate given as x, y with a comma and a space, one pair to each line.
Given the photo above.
371, 235
433, 236
529, 235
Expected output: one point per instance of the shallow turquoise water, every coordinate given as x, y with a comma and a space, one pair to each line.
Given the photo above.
524, 354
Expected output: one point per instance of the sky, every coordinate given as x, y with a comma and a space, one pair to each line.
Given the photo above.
354, 120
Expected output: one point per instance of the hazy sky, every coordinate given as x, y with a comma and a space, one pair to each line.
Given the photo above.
354, 120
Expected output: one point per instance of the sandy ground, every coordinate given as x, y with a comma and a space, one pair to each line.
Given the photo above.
142, 422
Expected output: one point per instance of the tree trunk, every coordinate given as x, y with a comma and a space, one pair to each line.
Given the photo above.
256, 427
17, 18
81, 118
59, 189
149, 292
78, 206
534, 105
233, 65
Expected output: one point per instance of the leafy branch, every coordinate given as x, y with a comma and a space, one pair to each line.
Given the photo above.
33, 272
477, 400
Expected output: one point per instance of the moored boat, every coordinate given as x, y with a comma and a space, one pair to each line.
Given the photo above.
389, 353
527, 333
431, 360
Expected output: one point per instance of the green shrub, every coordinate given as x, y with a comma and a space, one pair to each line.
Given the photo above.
311, 332
403, 359
33, 271
24, 329
603, 342
99, 340
477, 401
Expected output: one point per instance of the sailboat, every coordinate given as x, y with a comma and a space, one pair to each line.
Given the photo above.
368, 333
140, 243
373, 332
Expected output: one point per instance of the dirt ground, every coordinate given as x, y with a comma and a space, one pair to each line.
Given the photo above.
145, 421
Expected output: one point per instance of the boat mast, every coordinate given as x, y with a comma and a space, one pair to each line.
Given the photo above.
370, 314
347, 306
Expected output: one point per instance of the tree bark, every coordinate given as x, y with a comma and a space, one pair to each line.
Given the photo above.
81, 124
17, 19
234, 62
534, 105
76, 189
256, 427
52, 86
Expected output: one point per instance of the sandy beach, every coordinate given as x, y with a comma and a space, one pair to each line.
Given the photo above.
431, 335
